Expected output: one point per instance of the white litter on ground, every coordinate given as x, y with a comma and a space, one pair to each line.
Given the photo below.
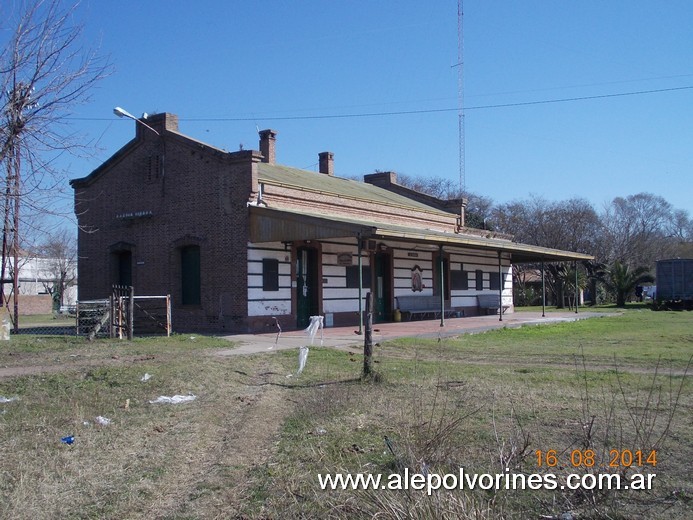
316, 322
302, 358
4, 399
146, 377
103, 421
176, 399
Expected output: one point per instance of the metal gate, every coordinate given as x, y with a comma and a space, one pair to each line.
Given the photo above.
122, 311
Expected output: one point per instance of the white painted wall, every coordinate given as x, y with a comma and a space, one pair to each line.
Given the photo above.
337, 297
268, 303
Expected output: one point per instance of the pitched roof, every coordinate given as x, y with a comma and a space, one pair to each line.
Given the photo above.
346, 188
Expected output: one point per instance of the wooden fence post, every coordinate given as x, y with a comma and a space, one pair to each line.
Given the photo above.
131, 312
112, 328
368, 338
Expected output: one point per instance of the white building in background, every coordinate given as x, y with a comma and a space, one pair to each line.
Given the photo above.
38, 277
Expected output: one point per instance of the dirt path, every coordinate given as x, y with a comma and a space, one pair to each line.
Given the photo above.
226, 469
69, 364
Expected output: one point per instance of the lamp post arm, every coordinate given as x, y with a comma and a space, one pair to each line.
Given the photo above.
121, 112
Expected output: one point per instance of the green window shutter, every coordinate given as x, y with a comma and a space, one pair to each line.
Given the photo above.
479, 280
270, 274
495, 282
352, 276
459, 280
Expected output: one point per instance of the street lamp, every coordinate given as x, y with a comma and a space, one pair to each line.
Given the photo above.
121, 112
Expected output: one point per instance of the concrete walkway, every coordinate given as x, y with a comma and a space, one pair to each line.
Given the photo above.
348, 337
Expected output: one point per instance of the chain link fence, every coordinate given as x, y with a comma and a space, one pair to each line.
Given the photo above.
113, 317
56, 324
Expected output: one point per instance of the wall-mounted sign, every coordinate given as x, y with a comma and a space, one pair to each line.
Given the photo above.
131, 215
412, 254
345, 259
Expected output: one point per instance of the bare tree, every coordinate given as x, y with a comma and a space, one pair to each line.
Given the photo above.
438, 187
571, 225
479, 208
637, 230
681, 232
44, 73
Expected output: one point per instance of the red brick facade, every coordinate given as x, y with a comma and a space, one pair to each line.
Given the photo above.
155, 196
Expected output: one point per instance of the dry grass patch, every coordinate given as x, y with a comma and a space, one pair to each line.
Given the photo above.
440, 412
253, 442
187, 460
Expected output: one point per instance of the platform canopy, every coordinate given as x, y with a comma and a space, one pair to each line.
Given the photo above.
281, 225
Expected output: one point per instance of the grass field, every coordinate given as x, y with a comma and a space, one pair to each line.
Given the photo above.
253, 441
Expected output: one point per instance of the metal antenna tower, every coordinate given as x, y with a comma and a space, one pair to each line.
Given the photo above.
460, 90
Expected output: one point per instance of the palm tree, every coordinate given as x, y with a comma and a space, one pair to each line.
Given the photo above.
596, 272
622, 280
561, 281
571, 291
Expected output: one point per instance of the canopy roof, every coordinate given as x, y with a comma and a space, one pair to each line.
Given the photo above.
281, 225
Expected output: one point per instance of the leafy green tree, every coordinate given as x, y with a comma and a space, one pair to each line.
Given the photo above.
621, 279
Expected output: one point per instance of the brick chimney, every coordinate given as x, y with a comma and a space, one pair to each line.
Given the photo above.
159, 122
326, 160
268, 139
381, 179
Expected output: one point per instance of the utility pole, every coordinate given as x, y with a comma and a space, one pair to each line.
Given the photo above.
460, 91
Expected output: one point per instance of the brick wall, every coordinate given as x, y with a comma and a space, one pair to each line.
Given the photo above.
152, 205
161, 193
31, 304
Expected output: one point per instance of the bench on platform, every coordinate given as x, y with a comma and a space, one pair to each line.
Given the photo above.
491, 302
424, 305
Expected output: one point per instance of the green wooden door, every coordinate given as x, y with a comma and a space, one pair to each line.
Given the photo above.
306, 285
382, 291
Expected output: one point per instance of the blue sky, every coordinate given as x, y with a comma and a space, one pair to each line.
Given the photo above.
212, 62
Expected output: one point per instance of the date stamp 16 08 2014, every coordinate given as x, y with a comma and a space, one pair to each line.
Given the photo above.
589, 458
